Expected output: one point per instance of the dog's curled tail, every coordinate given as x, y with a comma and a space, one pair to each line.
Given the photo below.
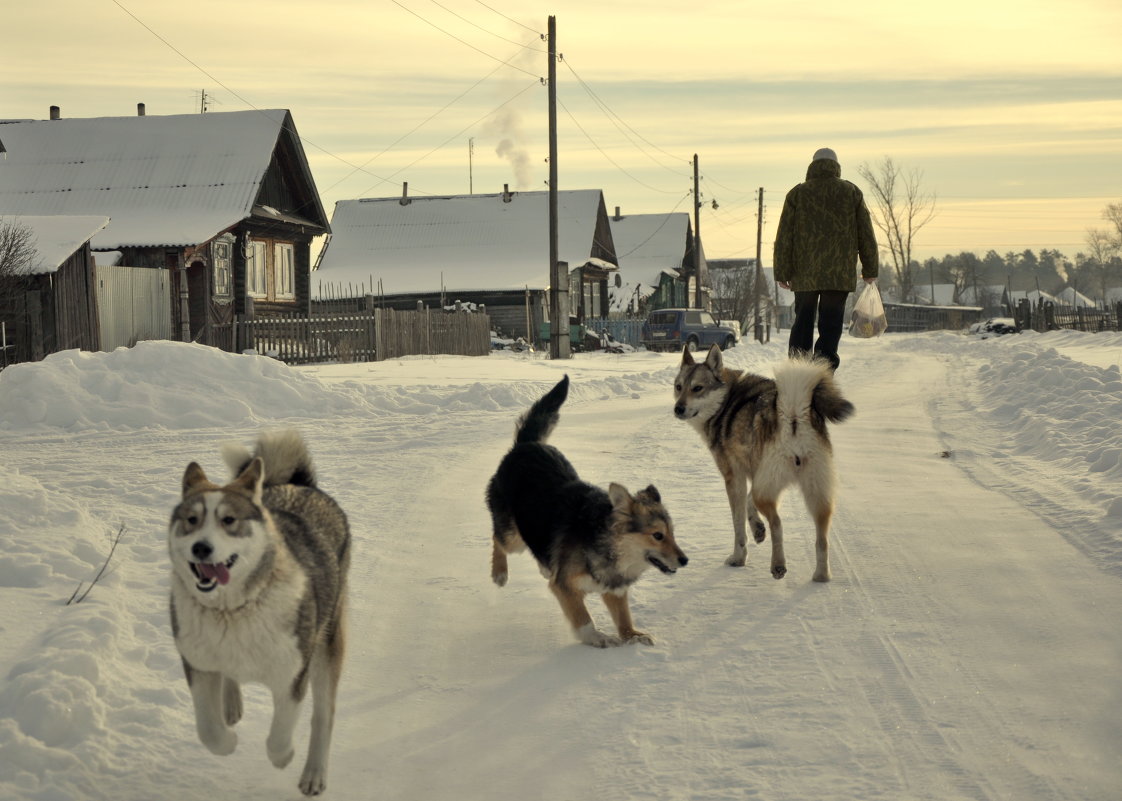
284, 453
537, 424
808, 385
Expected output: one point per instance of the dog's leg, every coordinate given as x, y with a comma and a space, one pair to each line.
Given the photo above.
821, 542
210, 717
286, 708
736, 487
620, 610
499, 569
770, 509
817, 485
572, 604
326, 668
231, 701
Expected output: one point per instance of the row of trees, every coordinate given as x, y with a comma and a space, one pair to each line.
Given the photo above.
900, 207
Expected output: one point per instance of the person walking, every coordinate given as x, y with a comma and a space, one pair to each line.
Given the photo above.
823, 230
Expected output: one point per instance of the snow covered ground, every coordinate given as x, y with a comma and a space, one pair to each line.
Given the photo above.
969, 646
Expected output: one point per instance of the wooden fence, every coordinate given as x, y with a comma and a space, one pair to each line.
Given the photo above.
1048, 316
364, 337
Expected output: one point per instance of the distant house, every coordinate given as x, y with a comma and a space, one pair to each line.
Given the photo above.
489, 249
223, 201
656, 260
47, 301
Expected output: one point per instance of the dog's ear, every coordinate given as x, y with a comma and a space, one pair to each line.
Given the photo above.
621, 499
713, 360
651, 494
194, 479
687, 357
251, 479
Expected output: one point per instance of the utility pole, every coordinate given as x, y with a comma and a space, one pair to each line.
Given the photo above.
696, 237
471, 152
559, 346
759, 268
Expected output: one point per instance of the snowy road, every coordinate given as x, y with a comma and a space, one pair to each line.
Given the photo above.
967, 648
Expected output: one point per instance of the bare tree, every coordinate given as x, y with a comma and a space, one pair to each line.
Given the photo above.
902, 208
19, 255
1102, 246
1113, 214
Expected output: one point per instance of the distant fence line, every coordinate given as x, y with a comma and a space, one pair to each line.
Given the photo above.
1048, 316
373, 335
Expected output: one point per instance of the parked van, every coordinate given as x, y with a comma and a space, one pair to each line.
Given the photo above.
670, 329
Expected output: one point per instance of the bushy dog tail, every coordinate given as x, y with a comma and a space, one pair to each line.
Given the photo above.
537, 424
284, 453
805, 387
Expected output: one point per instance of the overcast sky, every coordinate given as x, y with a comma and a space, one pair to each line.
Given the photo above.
1011, 110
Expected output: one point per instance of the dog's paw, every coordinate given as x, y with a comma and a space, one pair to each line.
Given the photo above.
499, 578
597, 639
640, 637
822, 576
280, 757
759, 531
314, 779
778, 571
220, 743
736, 559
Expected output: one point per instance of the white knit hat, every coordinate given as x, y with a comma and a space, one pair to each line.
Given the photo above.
825, 153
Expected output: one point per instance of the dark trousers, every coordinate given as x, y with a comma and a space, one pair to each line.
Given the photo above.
829, 307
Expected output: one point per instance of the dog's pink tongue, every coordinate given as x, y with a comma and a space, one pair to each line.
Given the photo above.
218, 572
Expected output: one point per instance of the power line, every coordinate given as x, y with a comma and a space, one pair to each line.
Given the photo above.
481, 28
613, 116
609, 158
509, 19
458, 39
416, 128
454, 136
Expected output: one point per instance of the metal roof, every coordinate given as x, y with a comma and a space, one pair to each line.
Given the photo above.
458, 242
163, 180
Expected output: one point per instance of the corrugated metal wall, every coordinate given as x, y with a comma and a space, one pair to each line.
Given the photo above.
134, 303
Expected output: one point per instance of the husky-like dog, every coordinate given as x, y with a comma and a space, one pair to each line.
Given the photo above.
258, 594
769, 432
584, 539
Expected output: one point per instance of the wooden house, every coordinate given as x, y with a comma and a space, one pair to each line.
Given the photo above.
223, 201
656, 262
485, 249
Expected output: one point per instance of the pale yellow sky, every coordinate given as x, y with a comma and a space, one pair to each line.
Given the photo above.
1012, 110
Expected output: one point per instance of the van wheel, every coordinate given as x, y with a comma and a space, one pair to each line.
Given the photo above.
729, 342
691, 344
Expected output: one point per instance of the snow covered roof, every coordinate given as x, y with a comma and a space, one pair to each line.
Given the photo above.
1069, 296
163, 180
57, 238
650, 244
943, 294
460, 242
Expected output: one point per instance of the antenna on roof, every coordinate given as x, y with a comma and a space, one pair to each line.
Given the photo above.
405, 199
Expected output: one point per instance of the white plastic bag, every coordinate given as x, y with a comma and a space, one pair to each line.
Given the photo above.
868, 319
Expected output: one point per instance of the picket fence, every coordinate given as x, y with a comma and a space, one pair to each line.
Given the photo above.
367, 336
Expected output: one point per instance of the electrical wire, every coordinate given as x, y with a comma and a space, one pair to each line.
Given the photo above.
454, 136
458, 39
481, 28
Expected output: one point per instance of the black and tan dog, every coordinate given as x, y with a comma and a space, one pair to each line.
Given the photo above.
584, 539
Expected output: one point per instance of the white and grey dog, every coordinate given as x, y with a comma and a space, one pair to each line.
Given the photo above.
258, 594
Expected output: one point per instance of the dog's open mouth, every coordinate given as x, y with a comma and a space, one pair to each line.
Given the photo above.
661, 565
211, 574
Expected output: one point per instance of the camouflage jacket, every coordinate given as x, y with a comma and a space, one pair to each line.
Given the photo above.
825, 226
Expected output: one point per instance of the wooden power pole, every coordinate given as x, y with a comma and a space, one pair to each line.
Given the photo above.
559, 345
696, 238
759, 268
